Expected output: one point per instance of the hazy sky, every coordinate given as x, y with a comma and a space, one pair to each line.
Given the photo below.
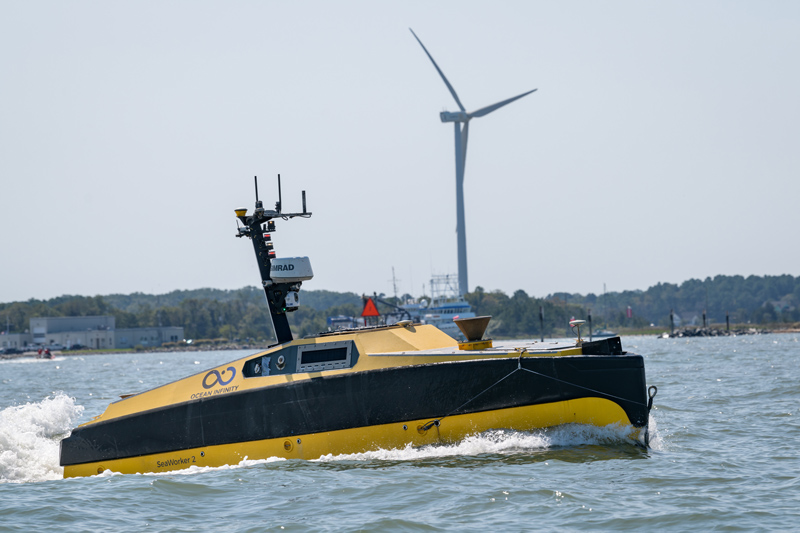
663, 143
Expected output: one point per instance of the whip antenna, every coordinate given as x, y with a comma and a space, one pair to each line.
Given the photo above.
280, 201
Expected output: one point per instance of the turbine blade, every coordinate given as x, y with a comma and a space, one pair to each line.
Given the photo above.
488, 109
450, 87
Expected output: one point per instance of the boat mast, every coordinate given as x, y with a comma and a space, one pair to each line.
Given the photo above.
259, 227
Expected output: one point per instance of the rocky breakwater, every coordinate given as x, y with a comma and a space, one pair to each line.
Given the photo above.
712, 332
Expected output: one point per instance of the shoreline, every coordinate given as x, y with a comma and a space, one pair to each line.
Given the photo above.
125, 351
260, 347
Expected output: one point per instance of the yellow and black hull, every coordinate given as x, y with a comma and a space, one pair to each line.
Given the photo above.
383, 401
452, 429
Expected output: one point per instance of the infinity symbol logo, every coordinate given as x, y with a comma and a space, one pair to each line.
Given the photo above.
218, 378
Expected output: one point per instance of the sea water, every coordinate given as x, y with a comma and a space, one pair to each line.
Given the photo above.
724, 456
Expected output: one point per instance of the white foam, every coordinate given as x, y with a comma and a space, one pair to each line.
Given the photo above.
657, 442
244, 463
499, 442
29, 437
27, 360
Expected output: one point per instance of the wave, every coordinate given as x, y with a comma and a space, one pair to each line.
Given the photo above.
27, 360
30, 436
507, 442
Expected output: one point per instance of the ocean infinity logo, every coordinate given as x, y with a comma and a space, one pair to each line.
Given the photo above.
217, 378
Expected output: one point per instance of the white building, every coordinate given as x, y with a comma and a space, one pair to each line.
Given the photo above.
90, 331
130, 337
96, 332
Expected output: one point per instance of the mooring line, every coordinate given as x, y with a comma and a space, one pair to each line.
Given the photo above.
436, 421
582, 387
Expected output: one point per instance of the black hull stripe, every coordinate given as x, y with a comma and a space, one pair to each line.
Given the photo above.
361, 399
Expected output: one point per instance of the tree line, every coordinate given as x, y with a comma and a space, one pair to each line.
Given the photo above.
752, 299
243, 314
240, 315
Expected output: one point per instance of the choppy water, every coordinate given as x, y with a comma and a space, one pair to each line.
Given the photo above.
724, 456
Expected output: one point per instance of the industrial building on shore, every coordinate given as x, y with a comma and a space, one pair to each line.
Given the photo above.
95, 332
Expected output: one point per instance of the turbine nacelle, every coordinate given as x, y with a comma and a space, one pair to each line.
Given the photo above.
458, 116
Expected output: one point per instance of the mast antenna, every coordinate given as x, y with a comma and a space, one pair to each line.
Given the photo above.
280, 201
281, 285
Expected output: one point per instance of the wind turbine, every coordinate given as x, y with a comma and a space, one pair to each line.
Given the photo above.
460, 120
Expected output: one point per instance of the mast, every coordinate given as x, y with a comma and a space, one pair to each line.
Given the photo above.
394, 284
281, 295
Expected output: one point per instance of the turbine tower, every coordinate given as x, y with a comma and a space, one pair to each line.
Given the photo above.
460, 120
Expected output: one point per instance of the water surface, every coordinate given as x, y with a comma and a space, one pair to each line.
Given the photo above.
724, 456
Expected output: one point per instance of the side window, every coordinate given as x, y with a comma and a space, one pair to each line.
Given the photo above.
258, 367
303, 358
327, 356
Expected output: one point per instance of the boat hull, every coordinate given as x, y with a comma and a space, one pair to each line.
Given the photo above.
359, 411
592, 411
